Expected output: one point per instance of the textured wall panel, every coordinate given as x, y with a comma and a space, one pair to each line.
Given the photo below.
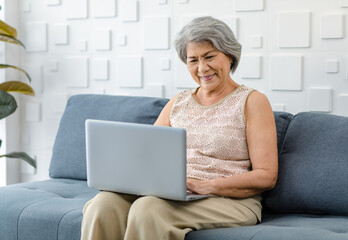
75, 70
83, 45
161, 2
52, 2
294, 29
130, 71
250, 66
332, 26
343, 105
102, 40
156, 33
182, 76
165, 64
53, 65
232, 23
33, 112
35, 36
155, 90
320, 99
104, 8
286, 72
26, 6
122, 39
256, 41
278, 107
35, 73
128, 10
76, 9
344, 3
100, 69
249, 5
331, 66
60, 34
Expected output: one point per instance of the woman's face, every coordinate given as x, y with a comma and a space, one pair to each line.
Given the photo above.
209, 67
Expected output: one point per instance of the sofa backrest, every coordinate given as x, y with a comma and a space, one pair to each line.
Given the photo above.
313, 166
69, 153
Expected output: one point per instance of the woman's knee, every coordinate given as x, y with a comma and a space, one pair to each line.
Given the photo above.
146, 208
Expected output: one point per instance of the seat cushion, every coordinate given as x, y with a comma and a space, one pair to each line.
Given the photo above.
69, 151
313, 166
44, 210
282, 227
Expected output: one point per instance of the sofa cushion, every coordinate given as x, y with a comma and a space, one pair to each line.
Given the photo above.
282, 120
69, 151
313, 166
282, 227
50, 209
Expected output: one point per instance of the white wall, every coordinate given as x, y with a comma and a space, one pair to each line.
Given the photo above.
296, 52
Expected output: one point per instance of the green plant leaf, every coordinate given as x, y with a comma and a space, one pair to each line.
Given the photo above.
21, 155
17, 68
8, 104
16, 86
9, 39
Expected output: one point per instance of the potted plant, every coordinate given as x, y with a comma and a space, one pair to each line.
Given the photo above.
8, 103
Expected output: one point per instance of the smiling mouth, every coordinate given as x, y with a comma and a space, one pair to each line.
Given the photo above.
207, 77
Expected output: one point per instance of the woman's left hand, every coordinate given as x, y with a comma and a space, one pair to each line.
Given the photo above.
198, 186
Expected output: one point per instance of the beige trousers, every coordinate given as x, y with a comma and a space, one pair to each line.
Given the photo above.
117, 216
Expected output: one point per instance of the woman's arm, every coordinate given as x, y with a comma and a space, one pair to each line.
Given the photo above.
262, 144
164, 117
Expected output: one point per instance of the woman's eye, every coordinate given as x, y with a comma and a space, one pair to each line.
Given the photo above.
192, 61
209, 57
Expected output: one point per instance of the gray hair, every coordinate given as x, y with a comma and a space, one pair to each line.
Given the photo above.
214, 31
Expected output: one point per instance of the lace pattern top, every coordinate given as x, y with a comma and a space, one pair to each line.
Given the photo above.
216, 134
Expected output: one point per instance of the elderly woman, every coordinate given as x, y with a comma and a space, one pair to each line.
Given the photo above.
231, 149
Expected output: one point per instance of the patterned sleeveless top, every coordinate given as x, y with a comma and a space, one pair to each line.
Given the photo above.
216, 134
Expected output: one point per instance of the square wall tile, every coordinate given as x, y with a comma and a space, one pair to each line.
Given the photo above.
128, 10
75, 70
251, 66
104, 8
35, 38
165, 63
343, 105
52, 2
130, 71
331, 66
278, 107
344, 3
33, 112
256, 41
156, 33
286, 72
155, 90
320, 99
249, 5
122, 39
60, 34
102, 40
294, 29
76, 9
100, 69
332, 26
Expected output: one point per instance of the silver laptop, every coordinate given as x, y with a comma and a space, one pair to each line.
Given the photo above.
137, 159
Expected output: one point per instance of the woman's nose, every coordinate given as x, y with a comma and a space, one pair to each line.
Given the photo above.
203, 66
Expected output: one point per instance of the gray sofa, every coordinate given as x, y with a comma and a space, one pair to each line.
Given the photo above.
310, 200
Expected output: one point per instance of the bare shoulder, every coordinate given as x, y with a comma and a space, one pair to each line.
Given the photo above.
257, 105
164, 117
